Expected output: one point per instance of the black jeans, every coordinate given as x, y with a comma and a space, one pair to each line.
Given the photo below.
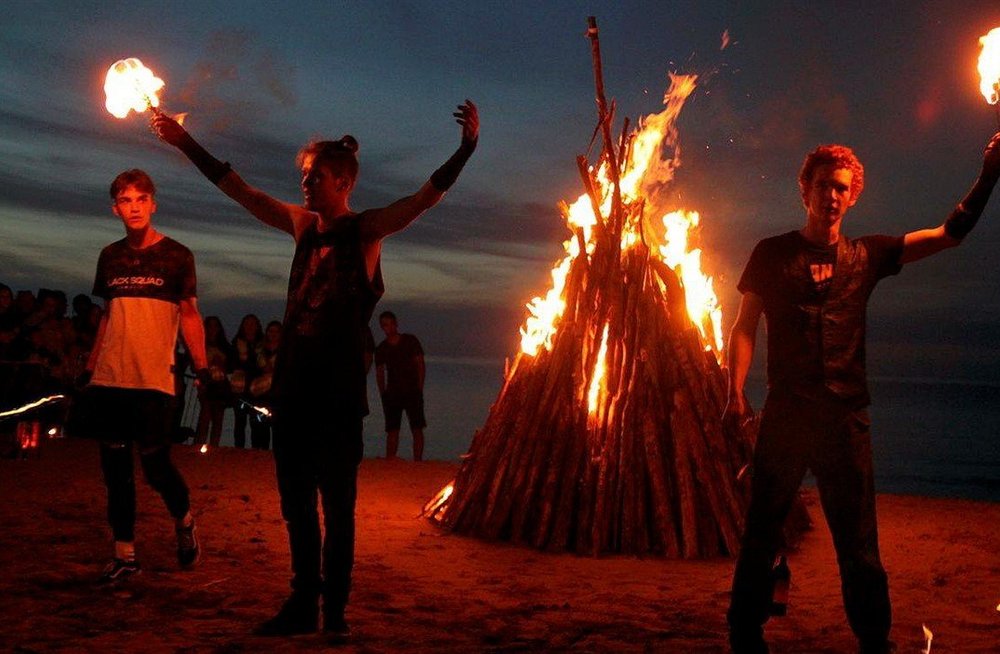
833, 441
117, 463
314, 453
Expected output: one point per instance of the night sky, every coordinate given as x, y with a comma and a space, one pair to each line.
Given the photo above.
895, 80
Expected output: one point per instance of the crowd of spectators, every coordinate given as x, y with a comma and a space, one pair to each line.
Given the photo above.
45, 343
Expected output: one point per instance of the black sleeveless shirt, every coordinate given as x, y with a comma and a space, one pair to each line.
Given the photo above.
320, 361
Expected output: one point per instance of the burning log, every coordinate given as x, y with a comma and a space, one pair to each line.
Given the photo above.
607, 435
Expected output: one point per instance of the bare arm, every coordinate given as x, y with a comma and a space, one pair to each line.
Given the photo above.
380, 377
742, 340
193, 331
925, 242
421, 370
383, 222
289, 218
98, 341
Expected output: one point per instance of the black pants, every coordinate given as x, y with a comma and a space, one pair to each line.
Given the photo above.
117, 463
313, 454
260, 433
240, 416
835, 443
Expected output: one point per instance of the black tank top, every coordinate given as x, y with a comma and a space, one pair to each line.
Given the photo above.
330, 302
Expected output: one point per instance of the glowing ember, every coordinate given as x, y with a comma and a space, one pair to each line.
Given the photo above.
644, 175
204, 449
597, 381
31, 405
130, 86
928, 636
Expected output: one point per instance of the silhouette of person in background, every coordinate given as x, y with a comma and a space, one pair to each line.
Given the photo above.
399, 372
242, 371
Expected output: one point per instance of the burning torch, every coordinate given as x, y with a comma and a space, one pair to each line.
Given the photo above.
989, 70
130, 86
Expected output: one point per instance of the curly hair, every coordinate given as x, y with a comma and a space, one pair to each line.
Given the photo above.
840, 156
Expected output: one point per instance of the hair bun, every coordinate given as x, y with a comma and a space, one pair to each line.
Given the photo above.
348, 143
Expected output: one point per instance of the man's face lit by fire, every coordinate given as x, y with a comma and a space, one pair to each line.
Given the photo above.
322, 189
135, 207
828, 196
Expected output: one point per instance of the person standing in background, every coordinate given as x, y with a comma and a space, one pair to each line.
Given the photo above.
242, 371
399, 372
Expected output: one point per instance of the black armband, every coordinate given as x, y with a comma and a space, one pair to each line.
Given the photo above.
209, 166
960, 222
445, 176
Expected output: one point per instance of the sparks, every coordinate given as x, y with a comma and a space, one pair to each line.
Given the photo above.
31, 405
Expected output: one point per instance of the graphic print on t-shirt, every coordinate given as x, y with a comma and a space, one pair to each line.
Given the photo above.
822, 274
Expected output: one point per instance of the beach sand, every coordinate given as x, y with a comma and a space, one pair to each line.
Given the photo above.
417, 589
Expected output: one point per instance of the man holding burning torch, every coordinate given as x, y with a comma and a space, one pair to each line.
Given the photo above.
812, 287
319, 382
148, 282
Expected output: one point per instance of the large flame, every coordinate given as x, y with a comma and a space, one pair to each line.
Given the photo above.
644, 175
989, 66
130, 86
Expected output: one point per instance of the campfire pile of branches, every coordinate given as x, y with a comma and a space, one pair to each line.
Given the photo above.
611, 439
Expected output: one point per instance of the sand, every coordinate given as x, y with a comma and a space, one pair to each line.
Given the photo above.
417, 589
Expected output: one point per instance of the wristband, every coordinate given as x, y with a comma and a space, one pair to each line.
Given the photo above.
960, 222
445, 176
209, 166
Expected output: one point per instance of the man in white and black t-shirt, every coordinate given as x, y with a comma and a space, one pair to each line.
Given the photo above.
147, 281
812, 286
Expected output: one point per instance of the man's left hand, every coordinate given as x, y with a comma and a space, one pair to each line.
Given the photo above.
468, 117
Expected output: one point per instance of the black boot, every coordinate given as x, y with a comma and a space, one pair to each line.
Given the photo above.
334, 625
298, 615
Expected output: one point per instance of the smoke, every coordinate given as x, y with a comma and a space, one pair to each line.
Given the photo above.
237, 82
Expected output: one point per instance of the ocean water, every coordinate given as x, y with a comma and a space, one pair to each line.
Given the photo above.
929, 437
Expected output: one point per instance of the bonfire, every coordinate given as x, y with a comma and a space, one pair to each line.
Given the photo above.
607, 435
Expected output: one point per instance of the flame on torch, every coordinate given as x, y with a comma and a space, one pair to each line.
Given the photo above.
928, 636
130, 86
989, 69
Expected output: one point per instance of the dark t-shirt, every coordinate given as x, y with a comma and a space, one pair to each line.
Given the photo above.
815, 300
402, 375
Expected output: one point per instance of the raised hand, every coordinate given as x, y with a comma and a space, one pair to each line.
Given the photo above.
168, 129
468, 117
